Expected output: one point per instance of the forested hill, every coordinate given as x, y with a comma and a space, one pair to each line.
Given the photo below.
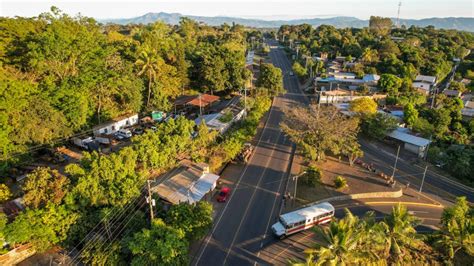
466, 24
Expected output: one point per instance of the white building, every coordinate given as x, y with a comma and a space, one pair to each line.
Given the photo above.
412, 143
187, 183
343, 75
115, 125
424, 83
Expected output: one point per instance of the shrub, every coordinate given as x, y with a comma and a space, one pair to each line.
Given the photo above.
5, 193
312, 177
340, 182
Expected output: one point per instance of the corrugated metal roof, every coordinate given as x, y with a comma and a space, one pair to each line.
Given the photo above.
188, 185
423, 78
402, 135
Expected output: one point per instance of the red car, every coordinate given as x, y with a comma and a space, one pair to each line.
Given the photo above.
223, 194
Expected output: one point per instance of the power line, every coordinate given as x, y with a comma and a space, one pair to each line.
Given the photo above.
114, 219
120, 232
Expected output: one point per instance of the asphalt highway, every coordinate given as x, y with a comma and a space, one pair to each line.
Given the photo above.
241, 234
243, 226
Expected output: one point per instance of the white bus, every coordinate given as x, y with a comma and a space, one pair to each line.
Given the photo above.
302, 219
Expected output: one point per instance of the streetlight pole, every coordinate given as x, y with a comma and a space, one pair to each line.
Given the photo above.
423, 180
295, 178
396, 160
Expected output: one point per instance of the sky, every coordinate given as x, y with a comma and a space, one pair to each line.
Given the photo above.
271, 9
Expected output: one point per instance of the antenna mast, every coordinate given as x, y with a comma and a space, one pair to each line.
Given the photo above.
398, 15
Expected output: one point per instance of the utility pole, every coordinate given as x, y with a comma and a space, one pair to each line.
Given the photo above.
245, 100
150, 201
200, 107
423, 180
396, 160
398, 15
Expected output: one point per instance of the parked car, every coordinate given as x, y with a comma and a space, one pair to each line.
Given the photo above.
138, 131
223, 194
291, 73
123, 134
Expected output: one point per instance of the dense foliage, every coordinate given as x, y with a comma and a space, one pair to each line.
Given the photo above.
398, 55
419, 50
62, 74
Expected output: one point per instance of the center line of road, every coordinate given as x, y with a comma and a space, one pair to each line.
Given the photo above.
206, 242
250, 202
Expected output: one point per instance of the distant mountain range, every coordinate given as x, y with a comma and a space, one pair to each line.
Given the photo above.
465, 24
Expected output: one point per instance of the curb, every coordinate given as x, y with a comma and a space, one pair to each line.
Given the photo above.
403, 203
369, 195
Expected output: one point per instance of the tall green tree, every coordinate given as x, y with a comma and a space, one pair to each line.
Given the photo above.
194, 220
43, 186
410, 114
390, 83
148, 64
161, 244
457, 232
42, 228
402, 243
271, 78
318, 130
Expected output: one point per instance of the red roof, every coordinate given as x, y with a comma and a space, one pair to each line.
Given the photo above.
194, 100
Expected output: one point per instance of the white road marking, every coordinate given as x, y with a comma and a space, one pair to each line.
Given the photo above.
250, 202
236, 186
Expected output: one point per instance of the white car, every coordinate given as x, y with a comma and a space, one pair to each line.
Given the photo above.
123, 134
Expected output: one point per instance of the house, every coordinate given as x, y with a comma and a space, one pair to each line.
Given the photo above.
349, 78
397, 39
468, 110
115, 125
371, 79
452, 93
222, 120
424, 84
249, 59
411, 143
190, 182
186, 102
343, 75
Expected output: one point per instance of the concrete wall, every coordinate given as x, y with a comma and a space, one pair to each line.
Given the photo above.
413, 148
368, 195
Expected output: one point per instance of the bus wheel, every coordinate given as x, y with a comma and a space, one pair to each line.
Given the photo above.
282, 237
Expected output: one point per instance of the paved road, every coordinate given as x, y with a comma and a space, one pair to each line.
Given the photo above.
435, 184
242, 227
241, 232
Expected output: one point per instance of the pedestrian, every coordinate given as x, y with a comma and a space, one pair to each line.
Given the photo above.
408, 185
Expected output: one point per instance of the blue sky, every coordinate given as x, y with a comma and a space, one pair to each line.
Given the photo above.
276, 9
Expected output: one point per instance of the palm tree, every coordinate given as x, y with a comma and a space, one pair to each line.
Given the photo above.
148, 63
400, 234
341, 241
457, 232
